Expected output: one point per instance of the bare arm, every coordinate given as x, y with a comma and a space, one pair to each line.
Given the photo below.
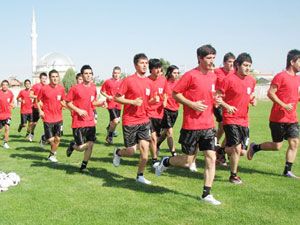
274, 98
109, 97
123, 100
230, 109
81, 112
197, 106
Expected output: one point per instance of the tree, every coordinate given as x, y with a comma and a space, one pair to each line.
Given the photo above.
69, 79
165, 64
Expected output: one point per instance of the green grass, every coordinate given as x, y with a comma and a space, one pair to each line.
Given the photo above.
57, 194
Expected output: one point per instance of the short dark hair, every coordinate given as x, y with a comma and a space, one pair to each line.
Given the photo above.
243, 57
51, 72
43, 74
170, 71
4, 81
139, 56
27, 80
205, 50
154, 64
227, 56
116, 68
293, 55
78, 75
85, 67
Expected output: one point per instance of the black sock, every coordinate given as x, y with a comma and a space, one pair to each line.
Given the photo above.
117, 152
221, 151
139, 174
206, 191
166, 162
256, 148
110, 134
51, 154
288, 167
233, 174
83, 164
27, 133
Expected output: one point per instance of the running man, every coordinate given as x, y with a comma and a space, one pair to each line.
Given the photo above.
284, 93
50, 103
196, 91
134, 93
6, 105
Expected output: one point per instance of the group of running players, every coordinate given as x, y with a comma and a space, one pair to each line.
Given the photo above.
150, 109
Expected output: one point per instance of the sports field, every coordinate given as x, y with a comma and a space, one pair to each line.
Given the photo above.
58, 194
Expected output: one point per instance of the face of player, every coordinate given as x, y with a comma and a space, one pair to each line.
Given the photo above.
175, 73
79, 80
244, 69
27, 85
207, 63
228, 65
116, 74
43, 80
141, 66
4, 86
296, 65
87, 76
156, 72
54, 78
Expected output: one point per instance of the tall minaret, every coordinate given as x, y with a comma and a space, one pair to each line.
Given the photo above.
33, 43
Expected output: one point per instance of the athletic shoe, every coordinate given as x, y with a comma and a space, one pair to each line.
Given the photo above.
210, 199
161, 168
143, 180
155, 163
43, 141
20, 128
115, 134
6, 146
193, 167
70, 149
116, 158
52, 158
235, 180
109, 140
291, 175
250, 152
30, 137
84, 170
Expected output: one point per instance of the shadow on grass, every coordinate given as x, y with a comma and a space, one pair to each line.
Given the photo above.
32, 149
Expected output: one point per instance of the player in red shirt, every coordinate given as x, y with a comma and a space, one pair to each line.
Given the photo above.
156, 105
109, 89
50, 103
196, 91
221, 73
34, 92
284, 93
237, 90
134, 93
80, 100
170, 110
6, 105
26, 107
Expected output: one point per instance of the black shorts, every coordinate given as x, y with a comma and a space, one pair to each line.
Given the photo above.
155, 125
84, 134
35, 115
114, 113
189, 139
25, 118
281, 131
4, 122
132, 134
236, 134
218, 114
52, 129
169, 119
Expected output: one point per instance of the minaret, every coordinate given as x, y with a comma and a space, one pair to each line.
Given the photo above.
33, 43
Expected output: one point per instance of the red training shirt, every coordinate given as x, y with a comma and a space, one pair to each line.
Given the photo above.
110, 87
172, 104
36, 90
6, 98
26, 101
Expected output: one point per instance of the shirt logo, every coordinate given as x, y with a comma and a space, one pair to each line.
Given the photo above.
248, 90
8, 100
92, 98
213, 88
147, 91
58, 97
160, 90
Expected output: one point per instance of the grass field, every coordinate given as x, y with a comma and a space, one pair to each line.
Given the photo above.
57, 194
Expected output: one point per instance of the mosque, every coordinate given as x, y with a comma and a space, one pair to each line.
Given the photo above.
48, 62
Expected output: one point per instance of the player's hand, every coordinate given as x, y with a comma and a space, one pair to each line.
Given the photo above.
137, 101
231, 109
109, 97
253, 101
199, 106
42, 114
104, 105
82, 113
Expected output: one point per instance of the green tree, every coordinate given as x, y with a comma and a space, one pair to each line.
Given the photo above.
69, 79
165, 64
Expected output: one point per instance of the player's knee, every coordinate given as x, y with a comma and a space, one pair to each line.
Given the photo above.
293, 144
277, 145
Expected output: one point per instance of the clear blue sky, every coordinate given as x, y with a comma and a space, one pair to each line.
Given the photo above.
108, 33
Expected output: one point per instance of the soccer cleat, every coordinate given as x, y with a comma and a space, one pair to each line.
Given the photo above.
155, 163
210, 199
109, 140
115, 134
291, 175
250, 152
235, 180
30, 137
193, 167
143, 180
116, 158
70, 149
161, 168
84, 170
5, 145
52, 158
20, 128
